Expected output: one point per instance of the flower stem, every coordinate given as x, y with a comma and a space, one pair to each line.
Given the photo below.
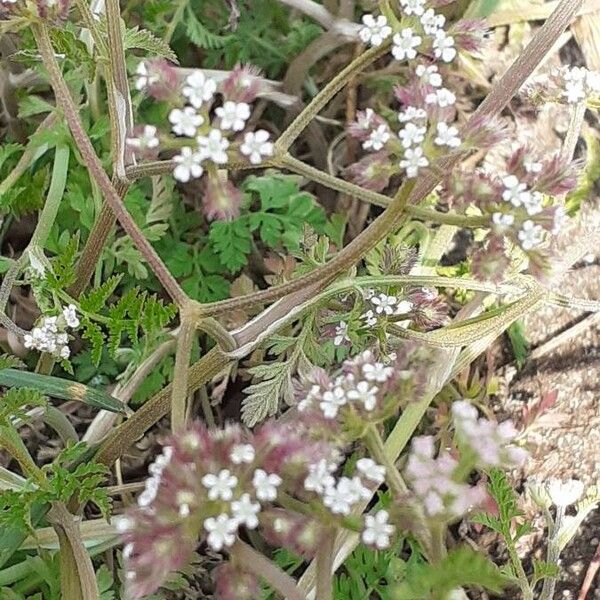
324, 566
374, 444
179, 391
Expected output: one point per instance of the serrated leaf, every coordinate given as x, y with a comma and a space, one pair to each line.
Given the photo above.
201, 36
142, 39
262, 399
232, 242
95, 299
65, 42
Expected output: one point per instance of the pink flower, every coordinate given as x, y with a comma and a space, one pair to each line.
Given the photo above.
221, 199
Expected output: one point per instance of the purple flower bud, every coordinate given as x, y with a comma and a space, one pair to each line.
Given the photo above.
221, 199
161, 80
231, 583
242, 84
469, 34
298, 533
558, 177
429, 309
372, 172
490, 263
53, 10
485, 132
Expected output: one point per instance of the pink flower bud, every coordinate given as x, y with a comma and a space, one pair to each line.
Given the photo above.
231, 583
53, 10
372, 172
164, 81
221, 199
558, 177
490, 263
242, 84
297, 533
469, 34
485, 132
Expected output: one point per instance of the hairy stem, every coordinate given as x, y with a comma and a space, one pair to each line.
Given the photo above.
324, 560
65, 102
179, 392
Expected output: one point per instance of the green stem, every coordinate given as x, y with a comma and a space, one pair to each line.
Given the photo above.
179, 393
520, 572
177, 16
324, 561
374, 444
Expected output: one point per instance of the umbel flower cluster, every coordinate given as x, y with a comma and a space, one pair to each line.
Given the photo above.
51, 334
209, 127
521, 206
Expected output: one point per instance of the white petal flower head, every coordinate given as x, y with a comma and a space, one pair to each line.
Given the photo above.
242, 453
429, 75
369, 318
70, 316
413, 7
144, 77
371, 470
188, 165
561, 218
574, 92
533, 203
256, 146
364, 393
442, 98
221, 485
319, 477
513, 190
377, 372
199, 89
443, 46
354, 489
233, 115
502, 221
412, 113
432, 22
565, 493
266, 485
383, 303
375, 30
341, 334
244, 511
531, 235
532, 166
405, 44
147, 139
412, 135
213, 146
221, 531
339, 499
447, 136
332, 401
185, 121
413, 162
377, 138
377, 530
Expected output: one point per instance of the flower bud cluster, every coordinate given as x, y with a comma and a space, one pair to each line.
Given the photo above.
209, 120
51, 334
49, 10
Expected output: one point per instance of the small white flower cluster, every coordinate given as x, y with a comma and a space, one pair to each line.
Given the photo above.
51, 335
145, 77
244, 510
341, 334
491, 443
517, 194
531, 235
153, 482
580, 84
211, 142
432, 480
378, 530
348, 389
384, 305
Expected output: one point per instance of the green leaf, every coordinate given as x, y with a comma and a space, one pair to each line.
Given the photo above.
232, 242
519, 342
65, 42
199, 35
95, 299
142, 39
61, 388
462, 567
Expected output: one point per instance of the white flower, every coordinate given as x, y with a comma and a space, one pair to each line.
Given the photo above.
256, 145
319, 477
413, 7
332, 400
70, 316
442, 98
221, 531
412, 135
377, 530
405, 44
377, 138
355, 489
244, 511
532, 201
447, 136
124, 524
213, 146
371, 470
443, 46
514, 190
502, 221
198, 89
370, 318
533, 166
413, 162
341, 334
377, 372
220, 486
365, 394
375, 30
185, 121
188, 165
144, 77
565, 493
384, 303
233, 115
147, 139
561, 218
242, 453
403, 307
411, 113
431, 22
429, 75
339, 499
265, 484
574, 92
